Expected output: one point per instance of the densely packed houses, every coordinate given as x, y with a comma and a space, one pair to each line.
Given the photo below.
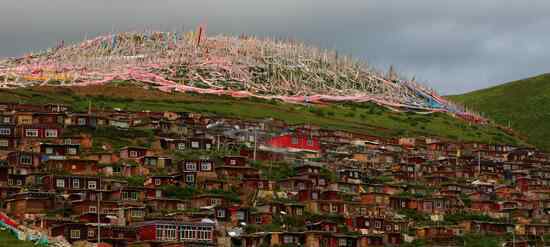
190, 179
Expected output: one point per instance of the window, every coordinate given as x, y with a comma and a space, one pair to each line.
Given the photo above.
206, 166
215, 201
294, 140
4, 143
180, 206
166, 232
158, 193
195, 144
220, 213
51, 133
71, 151
75, 234
91, 233
10, 181
68, 141
5, 131
299, 211
26, 160
117, 169
49, 150
60, 183
92, 185
31, 133
190, 166
137, 213
314, 196
157, 181
181, 146
76, 183
342, 242
309, 142
19, 182
7, 120
189, 178
333, 208
208, 145
133, 154
130, 195
288, 239
233, 162
92, 209
81, 121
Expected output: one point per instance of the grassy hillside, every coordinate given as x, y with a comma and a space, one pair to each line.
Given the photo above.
524, 104
8, 240
361, 118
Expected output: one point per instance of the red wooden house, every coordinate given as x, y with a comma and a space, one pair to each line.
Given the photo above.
165, 231
296, 142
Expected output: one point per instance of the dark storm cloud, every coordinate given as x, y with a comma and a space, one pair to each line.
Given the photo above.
454, 46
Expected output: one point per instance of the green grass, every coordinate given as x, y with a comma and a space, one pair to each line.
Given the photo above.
523, 104
361, 118
8, 240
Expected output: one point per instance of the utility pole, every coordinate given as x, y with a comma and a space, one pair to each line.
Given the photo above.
479, 160
98, 197
255, 144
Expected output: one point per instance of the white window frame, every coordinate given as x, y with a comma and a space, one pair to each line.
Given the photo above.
342, 242
51, 133
294, 140
132, 154
92, 185
72, 150
195, 144
75, 234
190, 178
91, 233
92, 209
215, 201
191, 166
76, 183
81, 121
157, 181
31, 132
4, 143
60, 183
220, 213
181, 146
206, 166
5, 131
136, 213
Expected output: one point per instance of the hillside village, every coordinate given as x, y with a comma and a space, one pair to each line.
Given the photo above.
191, 179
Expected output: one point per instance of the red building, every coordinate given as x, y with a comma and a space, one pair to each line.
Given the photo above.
161, 230
293, 141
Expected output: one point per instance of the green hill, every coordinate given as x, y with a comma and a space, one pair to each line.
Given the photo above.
524, 105
361, 118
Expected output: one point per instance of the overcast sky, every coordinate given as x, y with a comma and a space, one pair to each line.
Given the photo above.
453, 46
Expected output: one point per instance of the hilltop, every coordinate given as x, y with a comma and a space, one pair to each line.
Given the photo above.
522, 105
365, 118
223, 65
